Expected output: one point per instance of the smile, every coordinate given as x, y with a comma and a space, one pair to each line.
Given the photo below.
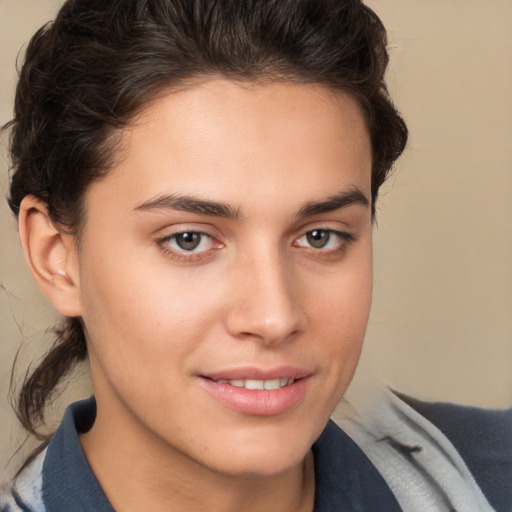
260, 397
253, 384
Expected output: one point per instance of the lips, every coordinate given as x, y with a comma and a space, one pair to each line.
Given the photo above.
258, 392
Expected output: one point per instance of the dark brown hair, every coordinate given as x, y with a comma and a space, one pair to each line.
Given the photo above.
94, 68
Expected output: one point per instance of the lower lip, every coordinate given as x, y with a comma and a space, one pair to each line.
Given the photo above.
257, 402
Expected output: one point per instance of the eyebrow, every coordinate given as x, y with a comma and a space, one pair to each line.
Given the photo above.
199, 206
190, 204
334, 202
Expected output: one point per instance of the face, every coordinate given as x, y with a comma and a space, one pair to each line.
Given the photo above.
225, 273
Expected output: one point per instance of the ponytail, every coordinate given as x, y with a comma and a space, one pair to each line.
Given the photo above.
68, 350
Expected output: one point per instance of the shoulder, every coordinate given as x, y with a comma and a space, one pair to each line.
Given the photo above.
483, 438
24, 494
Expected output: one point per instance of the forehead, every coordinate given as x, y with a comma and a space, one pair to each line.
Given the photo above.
225, 139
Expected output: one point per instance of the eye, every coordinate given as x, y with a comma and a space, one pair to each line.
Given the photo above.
188, 242
319, 238
325, 239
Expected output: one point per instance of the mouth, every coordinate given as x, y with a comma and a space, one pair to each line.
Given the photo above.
259, 393
254, 384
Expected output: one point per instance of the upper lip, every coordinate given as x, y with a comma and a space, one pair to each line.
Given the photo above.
254, 373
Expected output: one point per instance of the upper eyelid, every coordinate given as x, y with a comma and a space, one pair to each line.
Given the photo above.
207, 229
173, 230
325, 226
183, 231
208, 232
330, 223
338, 232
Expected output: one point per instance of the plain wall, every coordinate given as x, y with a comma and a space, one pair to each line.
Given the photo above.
441, 326
441, 323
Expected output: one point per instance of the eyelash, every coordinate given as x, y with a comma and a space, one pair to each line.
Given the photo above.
179, 254
344, 240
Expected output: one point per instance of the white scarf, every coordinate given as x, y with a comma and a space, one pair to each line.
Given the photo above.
420, 465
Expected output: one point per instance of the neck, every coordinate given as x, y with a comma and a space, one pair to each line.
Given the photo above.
149, 475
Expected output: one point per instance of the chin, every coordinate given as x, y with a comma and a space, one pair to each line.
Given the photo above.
263, 454
262, 466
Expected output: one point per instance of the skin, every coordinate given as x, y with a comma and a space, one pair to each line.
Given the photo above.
254, 293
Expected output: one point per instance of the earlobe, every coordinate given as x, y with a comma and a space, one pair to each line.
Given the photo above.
51, 256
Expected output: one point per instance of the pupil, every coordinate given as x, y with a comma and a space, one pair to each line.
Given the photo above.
318, 238
188, 241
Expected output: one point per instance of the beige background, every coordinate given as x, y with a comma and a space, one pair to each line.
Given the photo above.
441, 324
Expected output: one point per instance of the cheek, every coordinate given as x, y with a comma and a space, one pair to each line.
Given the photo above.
340, 310
138, 313
343, 297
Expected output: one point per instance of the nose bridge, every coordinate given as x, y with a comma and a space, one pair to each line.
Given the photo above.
267, 303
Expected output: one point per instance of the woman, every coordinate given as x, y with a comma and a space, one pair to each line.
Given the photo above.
195, 184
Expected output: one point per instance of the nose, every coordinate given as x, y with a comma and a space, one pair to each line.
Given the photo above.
265, 303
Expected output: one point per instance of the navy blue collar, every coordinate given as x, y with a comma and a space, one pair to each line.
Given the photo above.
68, 481
346, 481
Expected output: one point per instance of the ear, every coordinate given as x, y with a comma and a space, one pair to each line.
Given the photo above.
51, 256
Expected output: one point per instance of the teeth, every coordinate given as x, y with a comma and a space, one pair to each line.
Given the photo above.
272, 384
258, 384
254, 384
